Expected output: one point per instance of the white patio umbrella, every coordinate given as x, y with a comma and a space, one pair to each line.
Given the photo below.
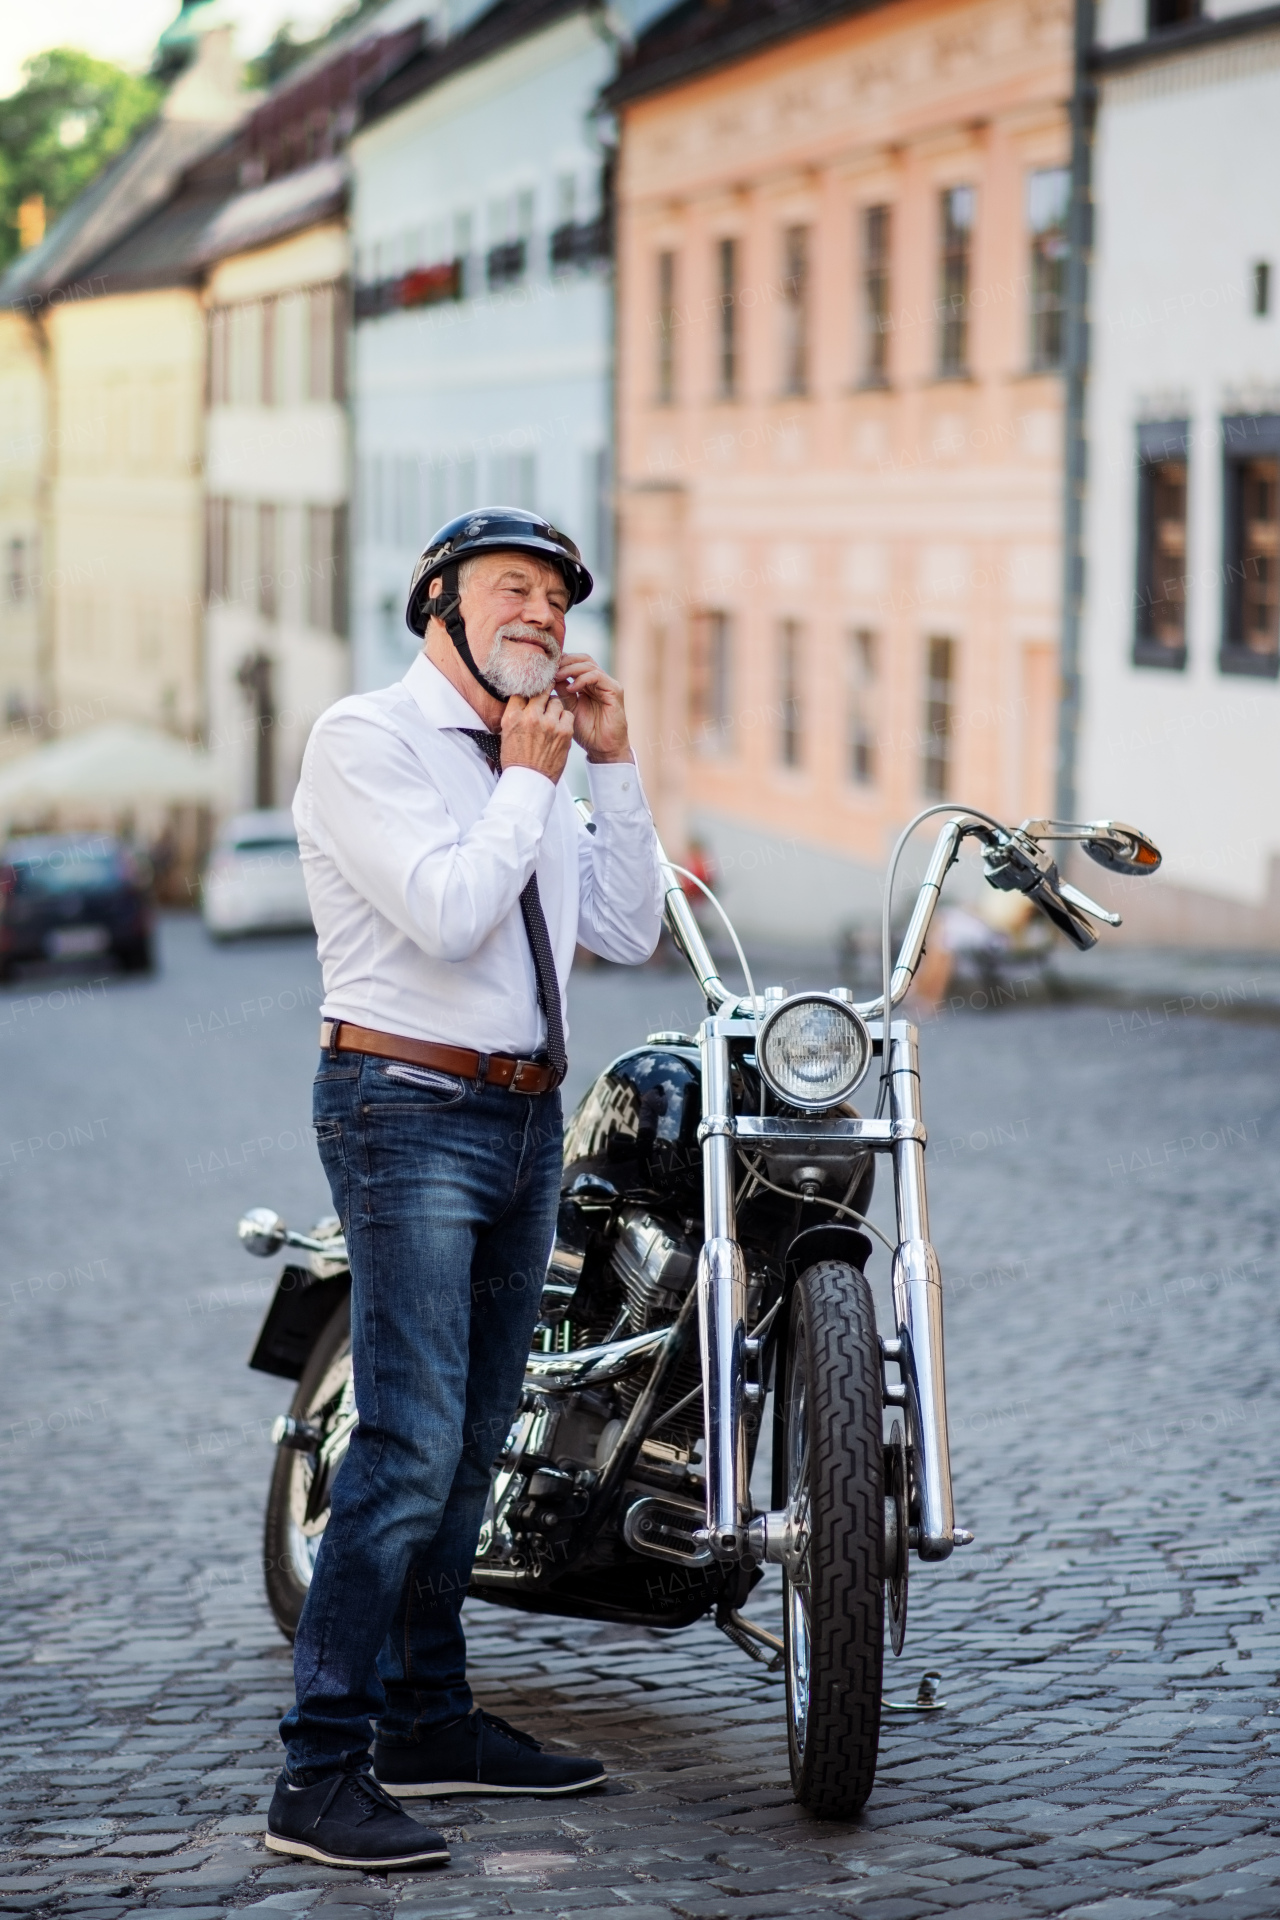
122, 763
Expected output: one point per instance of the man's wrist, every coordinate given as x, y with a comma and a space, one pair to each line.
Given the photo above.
622, 759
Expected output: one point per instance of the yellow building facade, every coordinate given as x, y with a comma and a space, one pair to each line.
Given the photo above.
23, 455
124, 572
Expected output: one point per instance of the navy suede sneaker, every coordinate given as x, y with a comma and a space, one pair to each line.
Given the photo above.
346, 1820
480, 1754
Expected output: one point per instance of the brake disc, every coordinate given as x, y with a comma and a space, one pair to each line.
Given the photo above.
897, 1529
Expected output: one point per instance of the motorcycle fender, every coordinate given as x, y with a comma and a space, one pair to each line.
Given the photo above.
300, 1309
830, 1240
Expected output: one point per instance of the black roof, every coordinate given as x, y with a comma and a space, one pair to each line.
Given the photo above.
702, 35
134, 185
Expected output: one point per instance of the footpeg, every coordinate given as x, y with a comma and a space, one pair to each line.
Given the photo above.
297, 1435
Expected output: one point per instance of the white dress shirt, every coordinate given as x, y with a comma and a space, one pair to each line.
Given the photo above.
415, 856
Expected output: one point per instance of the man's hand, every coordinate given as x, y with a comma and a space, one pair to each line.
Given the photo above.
599, 717
537, 733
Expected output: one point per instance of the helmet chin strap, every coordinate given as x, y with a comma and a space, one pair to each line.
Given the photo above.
446, 608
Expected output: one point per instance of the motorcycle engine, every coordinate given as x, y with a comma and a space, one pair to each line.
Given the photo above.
655, 1269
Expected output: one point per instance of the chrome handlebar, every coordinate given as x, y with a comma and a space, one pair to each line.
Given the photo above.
1015, 861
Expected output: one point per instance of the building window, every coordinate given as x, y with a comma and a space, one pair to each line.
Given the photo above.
513, 480
598, 494
17, 571
320, 344
876, 319
580, 237
665, 386
268, 562
1048, 203
510, 232
939, 717
1163, 14
790, 715
795, 310
727, 341
326, 569
958, 208
219, 358
244, 372
270, 382
217, 548
1160, 636
409, 531
1261, 288
861, 672
713, 684
1251, 545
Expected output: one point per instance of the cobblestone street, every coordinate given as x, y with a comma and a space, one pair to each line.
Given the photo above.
1104, 1202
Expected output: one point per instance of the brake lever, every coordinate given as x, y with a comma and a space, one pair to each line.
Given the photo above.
1014, 863
1081, 901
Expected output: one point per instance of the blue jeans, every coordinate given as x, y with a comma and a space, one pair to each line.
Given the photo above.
447, 1193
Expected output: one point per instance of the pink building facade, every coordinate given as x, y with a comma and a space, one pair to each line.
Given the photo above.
840, 309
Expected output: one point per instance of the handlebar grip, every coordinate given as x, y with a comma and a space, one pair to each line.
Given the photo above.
1063, 915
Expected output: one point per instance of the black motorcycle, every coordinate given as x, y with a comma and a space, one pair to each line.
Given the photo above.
708, 1274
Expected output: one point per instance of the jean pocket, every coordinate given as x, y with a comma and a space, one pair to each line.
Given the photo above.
446, 1086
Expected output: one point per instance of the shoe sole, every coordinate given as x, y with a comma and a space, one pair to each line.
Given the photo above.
441, 1789
276, 1843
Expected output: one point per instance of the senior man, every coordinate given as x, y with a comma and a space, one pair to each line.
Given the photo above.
450, 876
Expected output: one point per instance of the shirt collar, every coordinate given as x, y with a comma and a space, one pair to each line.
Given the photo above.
437, 699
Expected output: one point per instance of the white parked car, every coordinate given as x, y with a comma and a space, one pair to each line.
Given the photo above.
253, 883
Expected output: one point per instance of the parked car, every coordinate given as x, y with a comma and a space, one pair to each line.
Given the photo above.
72, 896
253, 883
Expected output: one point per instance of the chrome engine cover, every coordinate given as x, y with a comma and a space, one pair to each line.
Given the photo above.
656, 1268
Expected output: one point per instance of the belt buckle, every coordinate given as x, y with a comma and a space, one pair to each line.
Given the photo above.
517, 1078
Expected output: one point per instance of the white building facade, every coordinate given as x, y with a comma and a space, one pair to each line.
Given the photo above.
482, 360
1181, 635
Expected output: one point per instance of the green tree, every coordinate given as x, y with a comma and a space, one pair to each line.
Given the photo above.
70, 116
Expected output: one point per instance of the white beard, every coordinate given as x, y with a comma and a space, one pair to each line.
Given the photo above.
519, 670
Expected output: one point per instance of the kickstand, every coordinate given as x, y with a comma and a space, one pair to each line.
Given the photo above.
754, 1640
926, 1700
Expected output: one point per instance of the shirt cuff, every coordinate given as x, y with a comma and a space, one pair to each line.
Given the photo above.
525, 790
615, 787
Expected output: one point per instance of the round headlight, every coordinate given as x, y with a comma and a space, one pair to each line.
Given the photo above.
813, 1050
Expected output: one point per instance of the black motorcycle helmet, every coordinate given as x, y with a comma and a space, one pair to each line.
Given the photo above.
487, 530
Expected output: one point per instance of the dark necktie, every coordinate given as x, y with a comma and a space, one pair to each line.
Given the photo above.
535, 925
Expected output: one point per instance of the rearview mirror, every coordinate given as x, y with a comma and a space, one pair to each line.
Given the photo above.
262, 1231
1123, 849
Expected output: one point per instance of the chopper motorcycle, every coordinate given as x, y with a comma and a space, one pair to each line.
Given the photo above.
708, 1273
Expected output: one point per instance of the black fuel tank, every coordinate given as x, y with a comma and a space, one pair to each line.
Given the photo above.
637, 1127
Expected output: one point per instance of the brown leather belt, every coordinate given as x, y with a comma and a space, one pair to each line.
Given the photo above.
491, 1069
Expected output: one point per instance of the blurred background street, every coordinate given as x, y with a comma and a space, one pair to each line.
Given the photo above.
1109, 1646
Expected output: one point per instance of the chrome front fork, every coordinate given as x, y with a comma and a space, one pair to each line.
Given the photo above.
917, 1303
732, 1532
722, 1314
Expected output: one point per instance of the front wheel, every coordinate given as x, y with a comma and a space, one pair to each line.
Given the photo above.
833, 1574
298, 1501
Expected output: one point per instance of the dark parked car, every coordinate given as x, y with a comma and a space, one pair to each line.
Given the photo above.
70, 896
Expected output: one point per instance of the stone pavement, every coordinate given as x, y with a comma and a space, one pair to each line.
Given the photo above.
1104, 1201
